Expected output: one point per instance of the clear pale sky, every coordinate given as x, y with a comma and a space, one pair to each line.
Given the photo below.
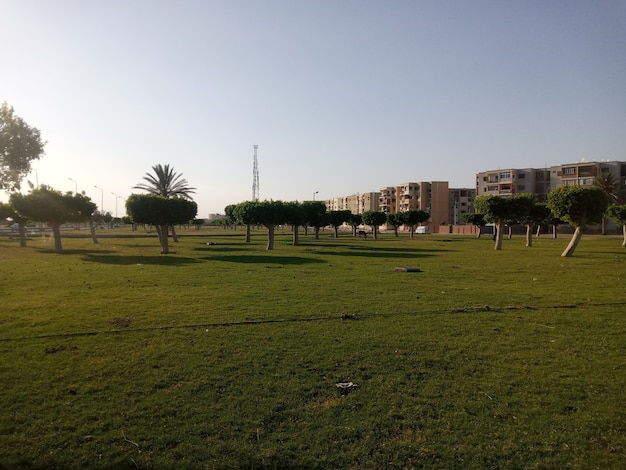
342, 96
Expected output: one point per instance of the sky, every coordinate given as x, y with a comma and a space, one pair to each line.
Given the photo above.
341, 96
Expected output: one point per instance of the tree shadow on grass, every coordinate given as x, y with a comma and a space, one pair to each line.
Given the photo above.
263, 259
161, 260
74, 252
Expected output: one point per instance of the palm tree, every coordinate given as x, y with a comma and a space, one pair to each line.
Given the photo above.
606, 182
166, 182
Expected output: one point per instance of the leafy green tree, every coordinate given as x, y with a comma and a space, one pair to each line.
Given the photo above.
495, 209
580, 207
164, 181
82, 209
20, 145
244, 214
476, 219
316, 215
230, 219
530, 213
413, 218
395, 220
197, 223
7, 211
355, 221
607, 183
45, 204
374, 219
294, 216
162, 212
270, 214
338, 218
618, 214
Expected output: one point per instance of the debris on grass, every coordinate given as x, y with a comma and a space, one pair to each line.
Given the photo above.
405, 269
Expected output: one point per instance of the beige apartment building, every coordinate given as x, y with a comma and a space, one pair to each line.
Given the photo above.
539, 181
355, 203
460, 201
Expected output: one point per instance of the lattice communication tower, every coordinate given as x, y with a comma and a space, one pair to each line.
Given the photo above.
255, 176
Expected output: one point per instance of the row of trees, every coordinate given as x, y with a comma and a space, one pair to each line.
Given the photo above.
578, 206
313, 214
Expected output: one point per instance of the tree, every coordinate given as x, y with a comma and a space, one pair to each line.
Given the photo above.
531, 213
413, 218
270, 214
606, 182
374, 219
82, 209
395, 220
355, 221
315, 215
244, 214
230, 219
167, 183
45, 204
294, 216
338, 218
495, 209
476, 219
162, 212
618, 214
579, 206
7, 211
20, 145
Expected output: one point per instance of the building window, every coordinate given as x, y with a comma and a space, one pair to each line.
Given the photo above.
505, 175
521, 175
570, 170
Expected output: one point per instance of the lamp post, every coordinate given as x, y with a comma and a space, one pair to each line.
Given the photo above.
315, 194
75, 185
116, 196
101, 199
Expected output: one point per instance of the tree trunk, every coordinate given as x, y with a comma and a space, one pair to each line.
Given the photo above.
538, 231
56, 231
92, 229
22, 232
336, 227
510, 232
624, 231
248, 233
412, 231
569, 251
529, 235
375, 231
270, 237
480, 230
317, 233
295, 235
554, 231
174, 235
603, 225
163, 231
498, 229
395, 230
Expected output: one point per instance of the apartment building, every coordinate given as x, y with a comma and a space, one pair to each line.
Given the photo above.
355, 203
431, 197
460, 201
539, 181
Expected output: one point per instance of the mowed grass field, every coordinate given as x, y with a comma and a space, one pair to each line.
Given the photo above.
227, 356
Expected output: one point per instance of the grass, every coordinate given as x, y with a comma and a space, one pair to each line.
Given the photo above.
227, 356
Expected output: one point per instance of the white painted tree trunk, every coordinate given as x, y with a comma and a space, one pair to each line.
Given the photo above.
569, 251
624, 231
498, 237
529, 235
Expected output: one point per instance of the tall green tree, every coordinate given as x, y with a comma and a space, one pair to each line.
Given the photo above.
270, 214
20, 145
476, 219
7, 211
607, 183
395, 220
618, 214
294, 216
164, 181
45, 204
580, 207
496, 209
355, 221
316, 215
162, 212
374, 219
244, 214
337, 219
413, 218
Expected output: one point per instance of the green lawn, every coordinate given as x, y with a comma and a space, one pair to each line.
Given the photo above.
227, 356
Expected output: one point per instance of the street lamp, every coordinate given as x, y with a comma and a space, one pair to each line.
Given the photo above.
116, 196
101, 199
315, 194
75, 185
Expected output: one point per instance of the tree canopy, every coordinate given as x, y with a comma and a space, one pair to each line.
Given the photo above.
374, 219
20, 145
579, 206
166, 182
